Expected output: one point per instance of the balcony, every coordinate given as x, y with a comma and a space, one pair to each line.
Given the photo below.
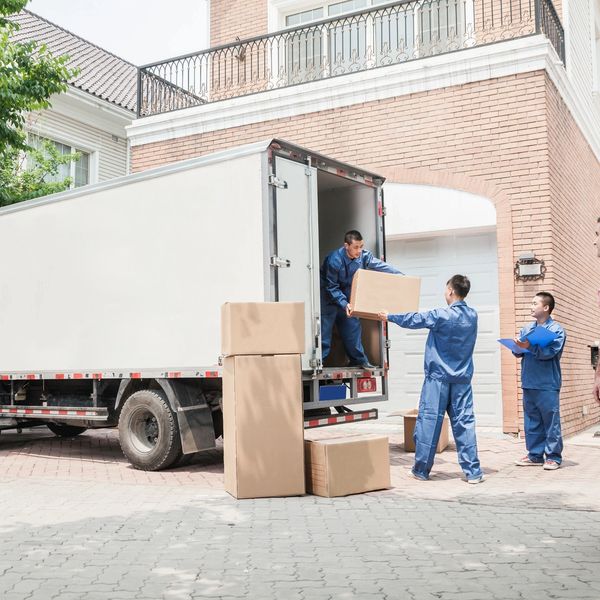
389, 35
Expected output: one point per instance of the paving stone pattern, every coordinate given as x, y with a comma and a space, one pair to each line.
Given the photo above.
79, 523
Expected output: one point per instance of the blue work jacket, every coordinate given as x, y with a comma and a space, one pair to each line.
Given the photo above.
540, 369
451, 340
338, 270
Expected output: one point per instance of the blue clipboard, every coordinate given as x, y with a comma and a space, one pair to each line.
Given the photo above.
510, 344
541, 336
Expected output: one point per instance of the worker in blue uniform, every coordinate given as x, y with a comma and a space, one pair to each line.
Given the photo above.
448, 374
541, 381
337, 272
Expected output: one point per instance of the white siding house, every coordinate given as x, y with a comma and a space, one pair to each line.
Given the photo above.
91, 116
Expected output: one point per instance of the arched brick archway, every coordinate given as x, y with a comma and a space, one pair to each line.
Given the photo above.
504, 232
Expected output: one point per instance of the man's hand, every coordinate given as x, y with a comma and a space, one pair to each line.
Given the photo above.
382, 315
348, 310
522, 344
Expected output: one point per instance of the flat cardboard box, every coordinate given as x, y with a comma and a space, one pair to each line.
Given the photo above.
263, 427
410, 420
262, 328
373, 292
347, 465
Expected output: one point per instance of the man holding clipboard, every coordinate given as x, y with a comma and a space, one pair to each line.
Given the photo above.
540, 346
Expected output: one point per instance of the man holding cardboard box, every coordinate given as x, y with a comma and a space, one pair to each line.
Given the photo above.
448, 373
337, 272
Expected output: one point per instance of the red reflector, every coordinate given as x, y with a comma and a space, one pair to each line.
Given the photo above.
174, 374
135, 375
96, 375
211, 374
59, 376
4, 377
30, 376
366, 384
77, 375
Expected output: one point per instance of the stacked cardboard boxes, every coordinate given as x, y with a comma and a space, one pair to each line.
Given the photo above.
262, 399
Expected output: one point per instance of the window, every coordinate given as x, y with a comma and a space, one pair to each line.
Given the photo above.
395, 34
78, 171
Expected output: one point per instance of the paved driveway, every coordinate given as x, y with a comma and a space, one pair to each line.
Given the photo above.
78, 522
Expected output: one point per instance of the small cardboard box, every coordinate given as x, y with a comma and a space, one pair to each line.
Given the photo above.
262, 328
347, 465
373, 292
263, 426
410, 420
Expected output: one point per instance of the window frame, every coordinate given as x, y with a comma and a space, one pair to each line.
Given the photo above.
91, 154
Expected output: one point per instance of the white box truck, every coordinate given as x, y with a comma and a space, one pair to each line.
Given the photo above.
110, 295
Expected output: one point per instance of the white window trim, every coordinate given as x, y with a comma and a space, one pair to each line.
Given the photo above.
93, 161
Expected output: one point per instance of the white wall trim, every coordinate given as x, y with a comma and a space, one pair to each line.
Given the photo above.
511, 57
93, 111
440, 233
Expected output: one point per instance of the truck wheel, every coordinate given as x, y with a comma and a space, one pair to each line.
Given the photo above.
64, 430
148, 431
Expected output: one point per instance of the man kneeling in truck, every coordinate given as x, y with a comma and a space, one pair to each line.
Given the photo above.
337, 272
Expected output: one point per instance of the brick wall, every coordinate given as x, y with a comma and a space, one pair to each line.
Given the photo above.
499, 137
236, 18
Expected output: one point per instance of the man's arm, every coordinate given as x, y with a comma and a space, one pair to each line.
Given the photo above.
374, 264
332, 284
551, 350
413, 320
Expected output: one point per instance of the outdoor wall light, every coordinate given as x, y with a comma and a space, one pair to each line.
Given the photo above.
529, 268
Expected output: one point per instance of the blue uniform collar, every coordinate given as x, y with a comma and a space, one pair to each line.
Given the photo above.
459, 303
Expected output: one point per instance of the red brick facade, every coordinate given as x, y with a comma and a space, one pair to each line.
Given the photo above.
510, 139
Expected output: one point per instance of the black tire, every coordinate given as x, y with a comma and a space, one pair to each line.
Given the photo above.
148, 431
64, 430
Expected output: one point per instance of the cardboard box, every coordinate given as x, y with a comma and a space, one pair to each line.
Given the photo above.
410, 420
262, 328
263, 426
347, 465
373, 292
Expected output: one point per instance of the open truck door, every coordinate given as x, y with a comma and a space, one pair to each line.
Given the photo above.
296, 254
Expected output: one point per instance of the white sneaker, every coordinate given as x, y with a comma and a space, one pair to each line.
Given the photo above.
475, 480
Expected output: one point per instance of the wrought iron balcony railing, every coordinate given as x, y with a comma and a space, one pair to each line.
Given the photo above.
388, 35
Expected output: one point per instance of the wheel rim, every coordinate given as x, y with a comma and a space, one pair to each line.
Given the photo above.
144, 430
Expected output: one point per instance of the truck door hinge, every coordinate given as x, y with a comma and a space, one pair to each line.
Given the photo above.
281, 263
278, 183
384, 211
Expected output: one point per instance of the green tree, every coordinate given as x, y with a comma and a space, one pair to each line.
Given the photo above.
29, 75
18, 183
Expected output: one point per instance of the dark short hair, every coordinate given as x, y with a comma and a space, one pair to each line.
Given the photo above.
352, 236
460, 284
547, 300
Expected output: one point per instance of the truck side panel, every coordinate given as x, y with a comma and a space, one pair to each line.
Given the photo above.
132, 275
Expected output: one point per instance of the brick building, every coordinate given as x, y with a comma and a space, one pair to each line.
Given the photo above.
483, 115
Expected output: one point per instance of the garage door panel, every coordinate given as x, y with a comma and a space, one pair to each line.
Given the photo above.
435, 260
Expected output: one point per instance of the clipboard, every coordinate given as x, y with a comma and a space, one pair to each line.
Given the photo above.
541, 336
510, 344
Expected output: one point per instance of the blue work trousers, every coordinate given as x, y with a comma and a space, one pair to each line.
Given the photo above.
437, 399
349, 329
543, 437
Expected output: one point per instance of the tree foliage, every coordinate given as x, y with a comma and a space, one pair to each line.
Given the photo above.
29, 76
18, 184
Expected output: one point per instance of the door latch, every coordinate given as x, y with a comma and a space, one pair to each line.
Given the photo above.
277, 182
281, 263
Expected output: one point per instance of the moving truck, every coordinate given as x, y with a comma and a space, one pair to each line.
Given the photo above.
110, 295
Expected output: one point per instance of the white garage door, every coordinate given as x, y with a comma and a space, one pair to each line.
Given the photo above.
435, 260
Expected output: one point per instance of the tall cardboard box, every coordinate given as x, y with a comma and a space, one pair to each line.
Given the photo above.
262, 328
347, 465
263, 426
373, 292
410, 420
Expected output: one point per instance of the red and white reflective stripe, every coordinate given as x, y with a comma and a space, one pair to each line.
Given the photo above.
192, 373
55, 412
363, 415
